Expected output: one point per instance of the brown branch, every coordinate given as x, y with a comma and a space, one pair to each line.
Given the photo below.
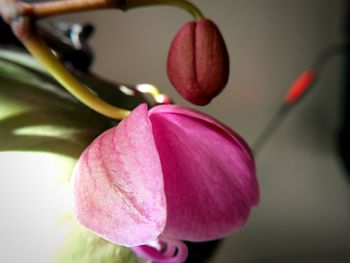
46, 9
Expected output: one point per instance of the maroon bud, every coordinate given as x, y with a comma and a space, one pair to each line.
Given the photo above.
198, 63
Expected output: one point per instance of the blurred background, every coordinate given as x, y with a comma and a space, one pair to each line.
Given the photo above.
304, 213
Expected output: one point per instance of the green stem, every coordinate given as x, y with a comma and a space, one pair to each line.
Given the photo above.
26, 32
37, 47
183, 4
47, 9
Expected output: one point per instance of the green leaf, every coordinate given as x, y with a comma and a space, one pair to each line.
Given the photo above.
83, 247
39, 121
38, 116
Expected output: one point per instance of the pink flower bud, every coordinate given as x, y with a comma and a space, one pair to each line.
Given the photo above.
162, 176
198, 63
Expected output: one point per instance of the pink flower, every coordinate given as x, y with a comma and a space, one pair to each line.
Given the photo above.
162, 176
198, 62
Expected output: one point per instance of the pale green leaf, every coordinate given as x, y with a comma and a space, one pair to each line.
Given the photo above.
39, 119
82, 246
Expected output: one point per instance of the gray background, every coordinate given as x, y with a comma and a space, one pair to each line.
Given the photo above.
304, 213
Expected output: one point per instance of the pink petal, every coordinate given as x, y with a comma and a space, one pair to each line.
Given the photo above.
210, 182
175, 251
118, 183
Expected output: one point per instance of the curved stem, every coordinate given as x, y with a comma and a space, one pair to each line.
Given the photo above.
183, 4
37, 47
46, 9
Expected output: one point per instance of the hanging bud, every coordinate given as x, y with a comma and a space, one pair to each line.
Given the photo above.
198, 63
